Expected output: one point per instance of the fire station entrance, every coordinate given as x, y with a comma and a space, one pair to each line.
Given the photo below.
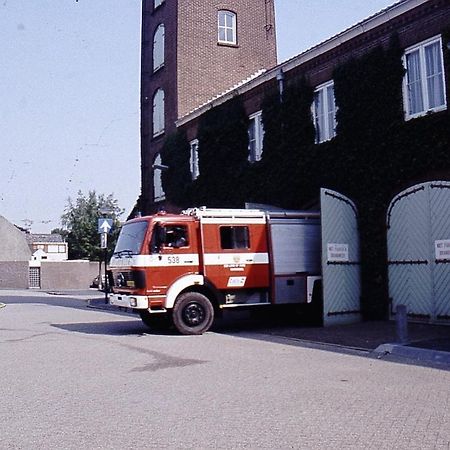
418, 237
340, 259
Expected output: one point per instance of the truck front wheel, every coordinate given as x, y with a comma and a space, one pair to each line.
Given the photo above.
193, 313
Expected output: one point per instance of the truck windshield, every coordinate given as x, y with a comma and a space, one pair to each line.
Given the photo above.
130, 238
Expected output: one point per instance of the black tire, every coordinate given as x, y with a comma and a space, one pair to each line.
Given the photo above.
158, 321
193, 313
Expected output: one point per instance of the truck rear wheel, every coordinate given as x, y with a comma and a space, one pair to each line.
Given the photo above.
154, 321
193, 313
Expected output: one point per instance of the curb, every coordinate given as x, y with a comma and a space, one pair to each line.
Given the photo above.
420, 354
324, 345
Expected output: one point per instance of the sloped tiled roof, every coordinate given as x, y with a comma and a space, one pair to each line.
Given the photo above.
44, 238
231, 89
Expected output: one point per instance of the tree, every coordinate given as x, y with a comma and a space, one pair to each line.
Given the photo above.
80, 221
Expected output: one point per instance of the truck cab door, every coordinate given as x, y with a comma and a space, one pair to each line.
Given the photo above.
174, 254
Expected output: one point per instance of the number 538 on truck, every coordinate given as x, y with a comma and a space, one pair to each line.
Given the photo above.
185, 269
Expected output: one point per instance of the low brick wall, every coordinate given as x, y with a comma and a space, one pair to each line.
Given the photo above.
14, 274
68, 274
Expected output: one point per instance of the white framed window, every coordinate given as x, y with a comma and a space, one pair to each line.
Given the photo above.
324, 112
158, 191
255, 137
193, 161
226, 27
158, 112
158, 47
157, 3
424, 81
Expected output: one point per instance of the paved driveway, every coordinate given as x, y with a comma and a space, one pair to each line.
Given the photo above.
74, 377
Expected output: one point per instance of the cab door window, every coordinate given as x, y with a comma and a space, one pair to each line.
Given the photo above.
175, 236
169, 236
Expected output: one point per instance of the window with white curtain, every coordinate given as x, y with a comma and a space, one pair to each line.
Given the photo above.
195, 171
324, 112
158, 113
158, 48
158, 191
157, 3
424, 82
255, 137
226, 22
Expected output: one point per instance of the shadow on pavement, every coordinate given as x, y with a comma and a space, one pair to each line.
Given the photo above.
426, 342
115, 328
286, 323
66, 302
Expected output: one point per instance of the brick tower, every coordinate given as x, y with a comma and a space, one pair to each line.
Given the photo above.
193, 50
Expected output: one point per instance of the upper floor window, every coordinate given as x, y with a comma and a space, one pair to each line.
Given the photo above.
158, 191
226, 21
195, 172
158, 48
324, 112
424, 82
255, 137
158, 112
157, 3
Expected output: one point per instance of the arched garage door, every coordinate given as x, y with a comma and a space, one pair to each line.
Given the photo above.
340, 259
418, 234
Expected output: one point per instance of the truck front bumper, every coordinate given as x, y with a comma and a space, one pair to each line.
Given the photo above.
129, 301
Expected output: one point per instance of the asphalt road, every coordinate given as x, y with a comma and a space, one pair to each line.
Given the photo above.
78, 378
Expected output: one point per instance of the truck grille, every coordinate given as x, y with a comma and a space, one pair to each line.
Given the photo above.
129, 279
123, 279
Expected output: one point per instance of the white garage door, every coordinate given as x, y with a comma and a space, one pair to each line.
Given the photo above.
340, 259
418, 223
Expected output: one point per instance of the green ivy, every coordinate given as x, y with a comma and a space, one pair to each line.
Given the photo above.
223, 156
289, 133
177, 179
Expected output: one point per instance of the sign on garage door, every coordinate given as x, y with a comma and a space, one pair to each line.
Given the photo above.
418, 222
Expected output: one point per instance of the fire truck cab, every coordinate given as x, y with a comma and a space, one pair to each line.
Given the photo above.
185, 268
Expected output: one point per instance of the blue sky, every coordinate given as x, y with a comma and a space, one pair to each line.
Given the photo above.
69, 95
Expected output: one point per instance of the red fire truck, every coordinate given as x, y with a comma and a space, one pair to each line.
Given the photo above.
185, 268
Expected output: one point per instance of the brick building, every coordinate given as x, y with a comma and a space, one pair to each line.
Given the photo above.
191, 52
364, 113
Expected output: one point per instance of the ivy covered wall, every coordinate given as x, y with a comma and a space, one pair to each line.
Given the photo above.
375, 154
